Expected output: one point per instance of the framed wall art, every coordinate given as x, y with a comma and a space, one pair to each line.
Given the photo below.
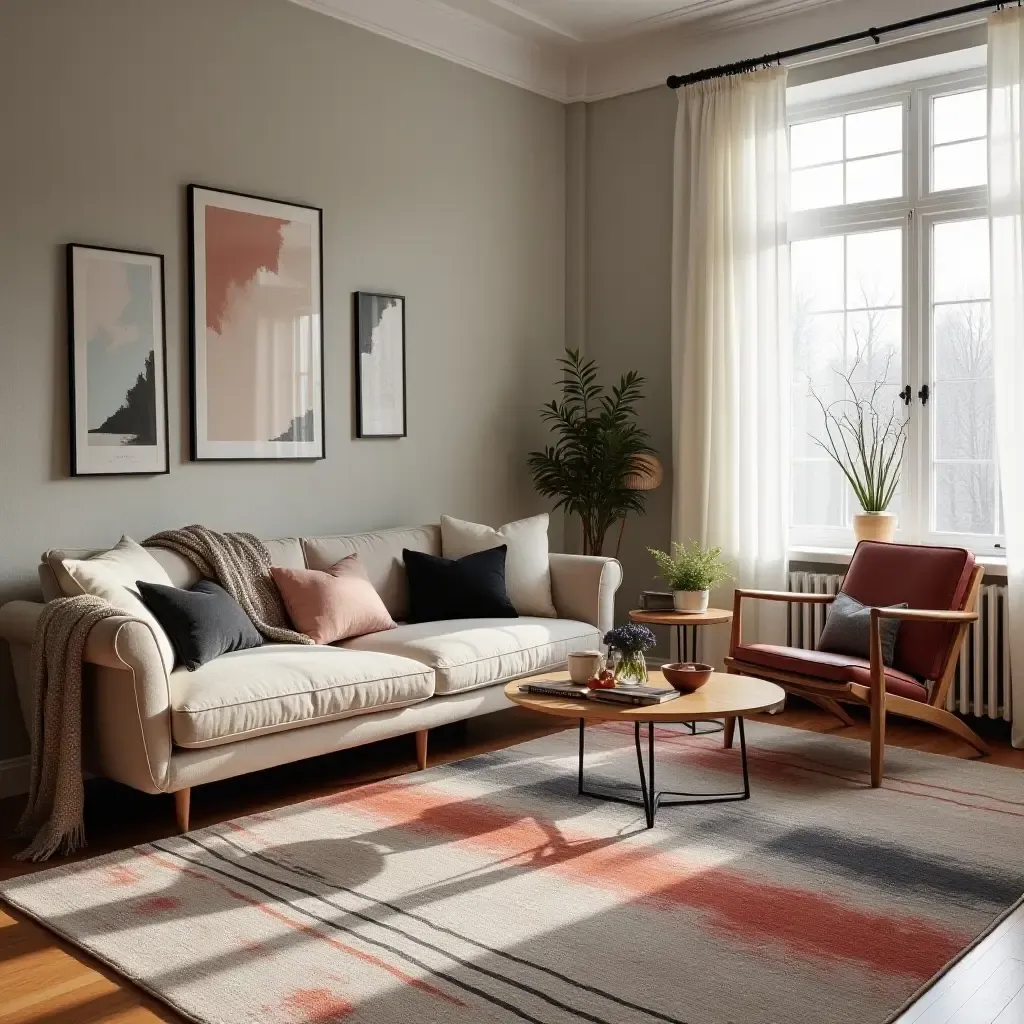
380, 365
117, 361
257, 327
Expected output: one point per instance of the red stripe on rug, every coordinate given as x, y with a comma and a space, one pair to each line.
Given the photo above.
748, 910
301, 927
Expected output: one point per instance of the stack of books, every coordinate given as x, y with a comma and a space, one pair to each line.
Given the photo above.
638, 696
657, 601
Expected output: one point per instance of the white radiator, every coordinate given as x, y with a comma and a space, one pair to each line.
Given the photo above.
981, 685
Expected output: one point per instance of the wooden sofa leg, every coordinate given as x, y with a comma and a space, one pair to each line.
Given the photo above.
730, 732
877, 745
182, 801
421, 748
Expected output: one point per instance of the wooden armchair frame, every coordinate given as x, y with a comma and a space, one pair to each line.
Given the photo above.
830, 695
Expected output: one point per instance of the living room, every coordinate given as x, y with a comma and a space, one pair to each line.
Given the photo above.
373, 367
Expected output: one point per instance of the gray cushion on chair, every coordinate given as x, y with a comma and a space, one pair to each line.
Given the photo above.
848, 629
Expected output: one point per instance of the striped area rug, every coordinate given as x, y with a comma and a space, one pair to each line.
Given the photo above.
489, 891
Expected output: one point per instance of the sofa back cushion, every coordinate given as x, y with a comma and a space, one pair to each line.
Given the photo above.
285, 552
923, 577
381, 555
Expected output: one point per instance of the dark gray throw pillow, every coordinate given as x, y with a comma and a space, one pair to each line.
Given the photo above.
848, 629
202, 622
472, 587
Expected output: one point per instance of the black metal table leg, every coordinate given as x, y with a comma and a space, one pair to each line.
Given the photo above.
651, 798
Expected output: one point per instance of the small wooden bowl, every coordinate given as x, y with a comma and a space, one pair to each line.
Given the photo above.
687, 677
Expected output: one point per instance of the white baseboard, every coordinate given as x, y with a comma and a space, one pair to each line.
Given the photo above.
14, 776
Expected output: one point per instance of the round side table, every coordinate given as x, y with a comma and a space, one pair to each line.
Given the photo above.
686, 624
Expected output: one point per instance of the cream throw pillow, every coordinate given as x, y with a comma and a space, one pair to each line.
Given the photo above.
113, 576
527, 569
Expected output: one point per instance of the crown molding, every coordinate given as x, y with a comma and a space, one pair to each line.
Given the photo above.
457, 36
679, 41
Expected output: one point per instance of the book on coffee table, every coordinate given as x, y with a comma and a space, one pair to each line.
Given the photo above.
638, 696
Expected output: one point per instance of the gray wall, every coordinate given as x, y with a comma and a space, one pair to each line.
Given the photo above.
436, 181
628, 299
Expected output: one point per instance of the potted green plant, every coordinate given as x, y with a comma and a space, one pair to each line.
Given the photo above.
691, 571
866, 440
600, 464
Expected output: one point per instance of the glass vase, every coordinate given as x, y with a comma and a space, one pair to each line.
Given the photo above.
631, 669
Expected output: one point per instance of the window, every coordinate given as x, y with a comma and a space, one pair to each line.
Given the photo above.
890, 272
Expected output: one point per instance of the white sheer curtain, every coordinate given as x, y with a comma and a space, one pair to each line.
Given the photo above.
1006, 211
730, 330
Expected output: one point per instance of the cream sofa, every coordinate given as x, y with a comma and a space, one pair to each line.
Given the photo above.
165, 733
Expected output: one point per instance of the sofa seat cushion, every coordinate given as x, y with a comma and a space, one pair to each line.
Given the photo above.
468, 653
830, 668
284, 686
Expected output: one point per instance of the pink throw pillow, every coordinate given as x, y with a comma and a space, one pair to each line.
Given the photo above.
332, 605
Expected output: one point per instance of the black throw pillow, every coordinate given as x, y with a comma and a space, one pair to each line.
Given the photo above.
472, 587
202, 622
848, 630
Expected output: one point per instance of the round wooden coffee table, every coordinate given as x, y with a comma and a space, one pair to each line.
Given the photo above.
723, 696
685, 623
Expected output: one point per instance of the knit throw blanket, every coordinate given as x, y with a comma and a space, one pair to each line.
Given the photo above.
53, 819
56, 798
240, 563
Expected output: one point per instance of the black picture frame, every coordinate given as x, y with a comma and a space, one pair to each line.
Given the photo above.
116, 457
370, 421
200, 449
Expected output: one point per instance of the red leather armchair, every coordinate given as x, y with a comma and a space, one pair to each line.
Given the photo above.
940, 586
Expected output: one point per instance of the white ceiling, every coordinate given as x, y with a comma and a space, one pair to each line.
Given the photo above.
588, 21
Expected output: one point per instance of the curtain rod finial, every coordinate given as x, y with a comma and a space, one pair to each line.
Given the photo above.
674, 81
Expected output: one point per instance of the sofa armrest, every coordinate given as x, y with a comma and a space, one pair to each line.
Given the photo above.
583, 588
126, 739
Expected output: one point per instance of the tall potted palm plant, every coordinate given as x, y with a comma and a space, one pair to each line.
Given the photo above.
597, 450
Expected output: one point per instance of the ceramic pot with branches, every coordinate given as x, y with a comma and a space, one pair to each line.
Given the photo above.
598, 446
866, 436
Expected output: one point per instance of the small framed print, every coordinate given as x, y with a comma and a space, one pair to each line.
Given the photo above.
257, 327
380, 365
118, 357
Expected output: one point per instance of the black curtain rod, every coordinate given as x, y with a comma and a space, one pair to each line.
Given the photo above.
874, 34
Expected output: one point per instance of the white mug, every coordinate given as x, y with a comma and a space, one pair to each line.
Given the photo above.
584, 665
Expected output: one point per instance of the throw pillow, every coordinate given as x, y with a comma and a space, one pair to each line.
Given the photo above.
203, 622
848, 629
527, 567
464, 588
113, 576
332, 605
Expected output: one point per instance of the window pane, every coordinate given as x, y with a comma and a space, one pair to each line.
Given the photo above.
816, 142
964, 424
963, 341
817, 187
961, 261
960, 116
874, 272
876, 336
817, 494
874, 131
877, 177
818, 347
817, 269
965, 497
960, 165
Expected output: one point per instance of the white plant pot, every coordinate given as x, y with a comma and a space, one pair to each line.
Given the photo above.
691, 601
877, 526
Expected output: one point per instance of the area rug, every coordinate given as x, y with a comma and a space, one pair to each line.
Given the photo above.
487, 890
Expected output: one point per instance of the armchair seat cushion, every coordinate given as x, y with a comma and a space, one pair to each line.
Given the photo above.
823, 666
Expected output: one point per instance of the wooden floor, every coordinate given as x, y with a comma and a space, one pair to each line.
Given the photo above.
44, 981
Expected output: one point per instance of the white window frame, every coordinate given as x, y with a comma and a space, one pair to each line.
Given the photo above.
916, 211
